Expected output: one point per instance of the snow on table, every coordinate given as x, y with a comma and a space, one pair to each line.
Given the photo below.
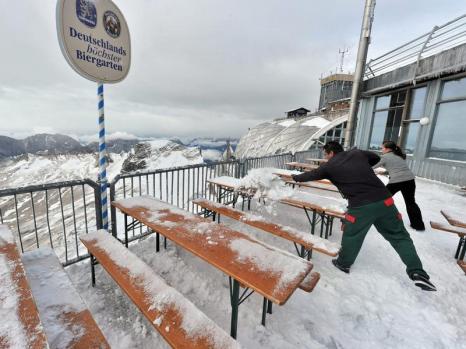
163, 305
225, 181
20, 326
272, 272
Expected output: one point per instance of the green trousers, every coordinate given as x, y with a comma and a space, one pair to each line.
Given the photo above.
387, 220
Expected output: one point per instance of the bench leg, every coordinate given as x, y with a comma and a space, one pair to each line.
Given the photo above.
269, 307
92, 270
264, 310
164, 242
126, 230
234, 309
458, 249
157, 242
463, 251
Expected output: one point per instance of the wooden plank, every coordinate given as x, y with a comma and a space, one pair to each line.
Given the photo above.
302, 165
21, 326
448, 228
453, 219
67, 321
319, 161
314, 185
309, 241
273, 273
177, 320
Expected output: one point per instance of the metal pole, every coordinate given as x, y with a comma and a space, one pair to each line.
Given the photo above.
359, 71
102, 157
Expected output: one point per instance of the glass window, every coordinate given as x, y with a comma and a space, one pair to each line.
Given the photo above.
449, 141
454, 89
412, 130
378, 130
382, 102
418, 102
392, 128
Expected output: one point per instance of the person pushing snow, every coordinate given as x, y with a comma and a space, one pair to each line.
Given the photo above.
369, 203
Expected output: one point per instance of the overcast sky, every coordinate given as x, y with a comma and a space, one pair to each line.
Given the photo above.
199, 68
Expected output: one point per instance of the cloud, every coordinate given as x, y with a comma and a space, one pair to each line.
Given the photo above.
199, 68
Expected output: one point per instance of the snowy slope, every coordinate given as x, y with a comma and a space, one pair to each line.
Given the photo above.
376, 306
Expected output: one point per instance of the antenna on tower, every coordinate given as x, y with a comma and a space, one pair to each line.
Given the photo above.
342, 58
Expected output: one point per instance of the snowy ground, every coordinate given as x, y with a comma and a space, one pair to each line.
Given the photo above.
376, 306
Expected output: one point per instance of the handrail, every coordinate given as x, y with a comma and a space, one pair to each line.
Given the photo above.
438, 39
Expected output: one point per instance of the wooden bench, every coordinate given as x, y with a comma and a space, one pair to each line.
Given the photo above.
177, 320
308, 242
49, 311
66, 320
258, 267
21, 325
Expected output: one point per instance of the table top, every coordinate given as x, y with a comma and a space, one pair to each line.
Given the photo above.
454, 219
271, 272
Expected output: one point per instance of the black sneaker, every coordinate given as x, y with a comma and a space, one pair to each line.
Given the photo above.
339, 266
423, 282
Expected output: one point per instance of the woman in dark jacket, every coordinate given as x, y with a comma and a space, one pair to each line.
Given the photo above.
401, 179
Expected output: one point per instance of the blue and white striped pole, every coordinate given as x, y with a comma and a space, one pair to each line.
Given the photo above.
102, 157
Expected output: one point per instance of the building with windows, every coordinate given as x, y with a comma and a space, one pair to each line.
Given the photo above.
415, 96
335, 92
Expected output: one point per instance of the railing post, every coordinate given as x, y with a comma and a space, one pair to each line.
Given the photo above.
98, 207
112, 208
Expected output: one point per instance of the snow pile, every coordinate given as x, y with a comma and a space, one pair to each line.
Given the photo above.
162, 297
263, 183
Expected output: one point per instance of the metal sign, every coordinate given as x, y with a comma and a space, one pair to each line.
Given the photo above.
94, 38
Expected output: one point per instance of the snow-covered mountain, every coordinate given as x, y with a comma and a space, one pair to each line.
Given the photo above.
152, 155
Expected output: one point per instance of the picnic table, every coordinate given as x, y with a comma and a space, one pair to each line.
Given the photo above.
318, 208
227, 185
301, 166
249, 263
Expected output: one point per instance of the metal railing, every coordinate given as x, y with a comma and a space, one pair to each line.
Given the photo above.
57, 214
440, 38
53, 215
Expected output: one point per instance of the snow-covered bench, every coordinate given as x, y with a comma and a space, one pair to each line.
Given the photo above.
177, 320
307, 241
249, 263
21, 326
67, 321
41, 307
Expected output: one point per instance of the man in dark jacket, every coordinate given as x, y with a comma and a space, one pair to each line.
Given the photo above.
369, 203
